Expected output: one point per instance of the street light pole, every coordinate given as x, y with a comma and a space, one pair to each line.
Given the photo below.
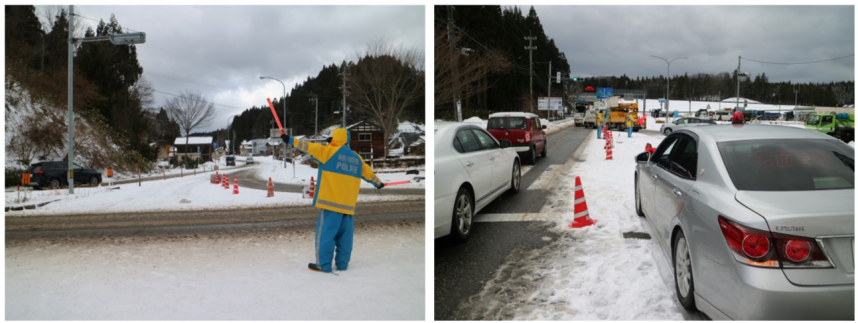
116, 39
667, 99
228, 127
284, 123
70, 175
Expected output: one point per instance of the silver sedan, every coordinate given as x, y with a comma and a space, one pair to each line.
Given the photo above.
757, 221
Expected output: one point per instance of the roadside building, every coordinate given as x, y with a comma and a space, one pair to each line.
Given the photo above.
199, 148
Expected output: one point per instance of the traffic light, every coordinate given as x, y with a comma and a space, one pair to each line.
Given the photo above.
574, 79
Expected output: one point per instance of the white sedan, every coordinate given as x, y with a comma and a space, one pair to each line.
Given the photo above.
471, 169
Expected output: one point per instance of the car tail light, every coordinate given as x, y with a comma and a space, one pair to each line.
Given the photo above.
39, 172
762, 248
526, 136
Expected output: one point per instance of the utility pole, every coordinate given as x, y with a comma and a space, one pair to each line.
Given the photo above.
315, 99
344, 71
71, 101
548, 112
795, 90
457, 105
530, 48
738, 79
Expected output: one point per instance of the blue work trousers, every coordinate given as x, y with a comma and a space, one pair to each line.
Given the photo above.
630, 131
599, 132
334, 231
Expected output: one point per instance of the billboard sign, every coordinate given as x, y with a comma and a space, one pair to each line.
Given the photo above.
553, 104
604, 92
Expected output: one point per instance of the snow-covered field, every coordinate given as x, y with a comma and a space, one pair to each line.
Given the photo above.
302, 173
241, 277
178, 194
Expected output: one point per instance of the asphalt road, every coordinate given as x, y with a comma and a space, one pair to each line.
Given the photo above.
200, 222
462, 269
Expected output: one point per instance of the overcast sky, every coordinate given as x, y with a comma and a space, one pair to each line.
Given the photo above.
221, 51
616, 40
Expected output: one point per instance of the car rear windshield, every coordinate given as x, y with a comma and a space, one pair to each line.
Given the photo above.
507, 123
789, 164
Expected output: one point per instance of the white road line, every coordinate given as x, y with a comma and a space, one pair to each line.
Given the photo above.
544, 181
517, 217
525, 169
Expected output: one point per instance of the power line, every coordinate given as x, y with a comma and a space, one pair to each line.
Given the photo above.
223, 105
100, 21
825, 60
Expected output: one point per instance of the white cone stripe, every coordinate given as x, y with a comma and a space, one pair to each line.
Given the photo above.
578, 188
581, 200
580, 214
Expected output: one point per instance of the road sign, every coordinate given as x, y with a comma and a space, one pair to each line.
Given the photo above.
604, 92
556, 104
661, 100
214, 145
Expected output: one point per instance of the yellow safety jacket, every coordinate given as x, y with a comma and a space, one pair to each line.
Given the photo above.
600, 120
630, 120
340, 172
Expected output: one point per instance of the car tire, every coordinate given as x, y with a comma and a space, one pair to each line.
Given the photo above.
638, 198
515, 184
463, 215
93, 181
667, 131
54, 183
544, 149
683, 277
530, 156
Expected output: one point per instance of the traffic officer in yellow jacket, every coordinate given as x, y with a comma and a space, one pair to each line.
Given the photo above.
340, 172
599, 121
631, 118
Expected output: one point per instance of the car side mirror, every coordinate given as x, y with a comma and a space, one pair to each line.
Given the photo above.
643, 158
505, 143
544, 127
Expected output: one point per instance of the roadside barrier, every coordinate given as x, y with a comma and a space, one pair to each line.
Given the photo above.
582, 214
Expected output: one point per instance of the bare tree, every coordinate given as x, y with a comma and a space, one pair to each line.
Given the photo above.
460, 72
385, 81
190, 110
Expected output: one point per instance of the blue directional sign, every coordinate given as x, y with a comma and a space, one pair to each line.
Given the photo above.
661, 100
214, 144
604, 92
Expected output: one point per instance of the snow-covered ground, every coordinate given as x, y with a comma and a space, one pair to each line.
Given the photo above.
592, 273
177, 194
241, 277
274, 169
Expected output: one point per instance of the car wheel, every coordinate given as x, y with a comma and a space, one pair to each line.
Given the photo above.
667, 131
93, 181
530, 156
463, 215
682, 272
55, 183
516, 177
638, 197
544, 150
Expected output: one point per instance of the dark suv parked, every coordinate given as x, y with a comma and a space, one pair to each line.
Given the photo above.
53, 174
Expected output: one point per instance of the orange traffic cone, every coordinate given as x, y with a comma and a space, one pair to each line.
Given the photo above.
217, 178
270, 188
235, 185
582, 215
312, 187
609, 154
225, 181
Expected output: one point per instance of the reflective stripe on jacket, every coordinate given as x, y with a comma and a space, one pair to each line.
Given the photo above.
340, 172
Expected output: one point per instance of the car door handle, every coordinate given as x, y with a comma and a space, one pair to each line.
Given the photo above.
677, 192
654, 176
469, 164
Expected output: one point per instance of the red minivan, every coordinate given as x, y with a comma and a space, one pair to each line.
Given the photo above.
524, 130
